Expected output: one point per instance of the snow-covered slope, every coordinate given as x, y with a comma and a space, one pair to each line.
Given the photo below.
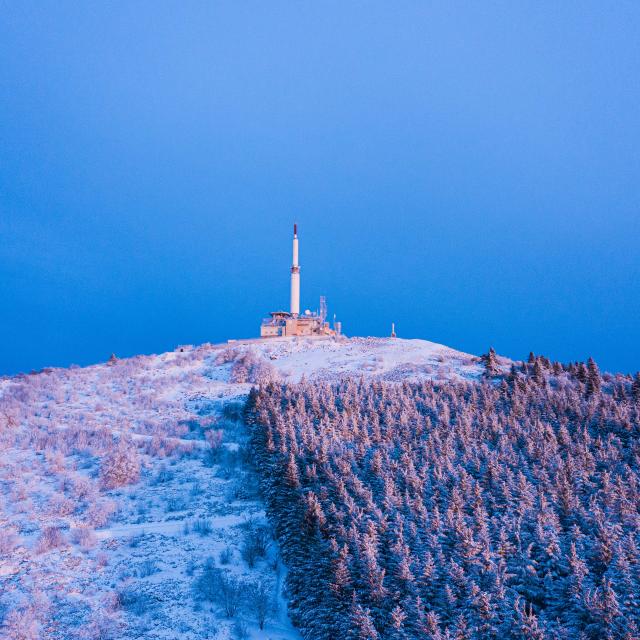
386, 358
85, 555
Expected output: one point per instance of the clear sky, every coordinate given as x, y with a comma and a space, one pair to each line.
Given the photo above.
469, 170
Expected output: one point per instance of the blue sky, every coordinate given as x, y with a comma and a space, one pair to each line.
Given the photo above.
470, 171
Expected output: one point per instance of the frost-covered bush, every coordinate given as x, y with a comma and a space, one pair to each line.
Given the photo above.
207, 582
263, 372
55, 460
255, 542
229, 461
78, 487
164, 475
176, 503
220, 587
249, 367
225, 356
102, 625
51, 538
61, 506
147, 568
214, 438
85, 537
20, 624
120, 467
134, 600
8, 539
241, 631
202, 527
99, 513
261, 601
226, 555
243, 488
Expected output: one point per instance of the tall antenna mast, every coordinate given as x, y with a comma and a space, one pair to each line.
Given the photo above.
295, 276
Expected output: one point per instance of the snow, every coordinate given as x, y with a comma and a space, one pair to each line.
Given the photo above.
384, 358
146, 538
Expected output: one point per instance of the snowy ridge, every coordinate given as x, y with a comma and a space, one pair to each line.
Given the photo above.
89, 554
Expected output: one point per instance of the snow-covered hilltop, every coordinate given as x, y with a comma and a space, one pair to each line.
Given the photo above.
128, 503
383, 358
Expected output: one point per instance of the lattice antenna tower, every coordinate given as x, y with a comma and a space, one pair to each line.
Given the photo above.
323, 309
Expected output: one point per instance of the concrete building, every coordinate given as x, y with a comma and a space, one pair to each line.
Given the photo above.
292, 322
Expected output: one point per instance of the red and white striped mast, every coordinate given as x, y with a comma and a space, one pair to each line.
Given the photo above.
295, 276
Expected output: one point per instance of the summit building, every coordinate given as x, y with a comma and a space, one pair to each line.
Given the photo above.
292, 322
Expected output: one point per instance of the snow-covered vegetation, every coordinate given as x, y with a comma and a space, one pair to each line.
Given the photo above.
127, 507
130, 502
504, 508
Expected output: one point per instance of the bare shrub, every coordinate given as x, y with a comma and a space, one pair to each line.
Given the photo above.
240, 630
229, 594
79, 487
164, 475
225, 555
147, 568
134, 601
8, 539
120, 467
217, 586
103, 625
260, 599
176, 503
202, 527
85, 537
251, 368
61, 506
214, 440
255, 543
51, 538
21, 624
99, 513
102, 559
232, 411
225, 356
228, 463
55, 460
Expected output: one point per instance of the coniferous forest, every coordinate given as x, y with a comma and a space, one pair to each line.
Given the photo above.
504, 508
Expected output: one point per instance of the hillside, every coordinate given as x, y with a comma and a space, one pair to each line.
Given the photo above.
129, 501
